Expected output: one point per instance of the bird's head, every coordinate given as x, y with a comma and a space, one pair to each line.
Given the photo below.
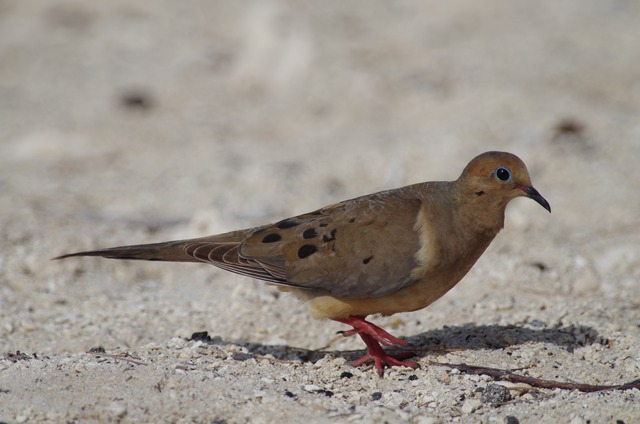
494, 178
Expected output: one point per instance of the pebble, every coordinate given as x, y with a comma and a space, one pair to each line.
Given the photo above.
495, 394
471, 405
117, 409
422, 419
311, 388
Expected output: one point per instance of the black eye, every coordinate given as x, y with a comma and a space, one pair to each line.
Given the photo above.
503, 174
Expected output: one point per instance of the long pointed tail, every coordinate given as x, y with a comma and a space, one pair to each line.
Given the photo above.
171, 251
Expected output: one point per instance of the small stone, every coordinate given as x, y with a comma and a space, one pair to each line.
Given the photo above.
427, 420
311, 388
471, 405
426, 399
495, 394
117, 410
536, 323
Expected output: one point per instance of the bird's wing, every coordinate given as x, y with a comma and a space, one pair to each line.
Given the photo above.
359, 248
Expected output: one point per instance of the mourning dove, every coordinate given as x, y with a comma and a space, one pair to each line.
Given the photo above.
383, 253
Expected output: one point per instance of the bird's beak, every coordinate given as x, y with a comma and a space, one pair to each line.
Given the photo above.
532, 193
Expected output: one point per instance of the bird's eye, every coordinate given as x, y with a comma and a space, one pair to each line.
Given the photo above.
503, 174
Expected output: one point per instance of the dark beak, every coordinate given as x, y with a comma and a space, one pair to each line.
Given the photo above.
532, 193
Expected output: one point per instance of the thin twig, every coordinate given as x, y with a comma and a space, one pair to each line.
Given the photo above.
280, 361
507, 375
125, 356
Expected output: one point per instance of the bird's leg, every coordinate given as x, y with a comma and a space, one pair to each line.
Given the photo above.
362, 326
372, 336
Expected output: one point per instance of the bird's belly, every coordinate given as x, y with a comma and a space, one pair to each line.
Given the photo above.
411, 298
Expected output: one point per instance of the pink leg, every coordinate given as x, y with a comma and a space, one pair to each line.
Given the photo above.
362, 326
372, 336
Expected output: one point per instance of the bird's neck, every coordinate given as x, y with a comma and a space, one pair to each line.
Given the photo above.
482, 219
464, 229
478, 212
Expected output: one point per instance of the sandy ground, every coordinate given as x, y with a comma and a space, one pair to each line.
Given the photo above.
125, 122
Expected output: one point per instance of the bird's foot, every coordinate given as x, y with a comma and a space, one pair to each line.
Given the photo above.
373, 336
380, 358
364, 327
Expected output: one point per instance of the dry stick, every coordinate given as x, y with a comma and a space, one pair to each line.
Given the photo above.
121, 356
536, 382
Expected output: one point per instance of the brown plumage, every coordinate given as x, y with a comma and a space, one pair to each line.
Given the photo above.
383, 253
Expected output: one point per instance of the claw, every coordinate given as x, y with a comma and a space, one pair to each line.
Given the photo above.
380, 358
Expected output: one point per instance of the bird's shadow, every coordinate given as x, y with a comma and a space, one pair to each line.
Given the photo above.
447, 339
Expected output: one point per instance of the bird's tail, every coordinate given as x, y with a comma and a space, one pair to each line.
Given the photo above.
171, 251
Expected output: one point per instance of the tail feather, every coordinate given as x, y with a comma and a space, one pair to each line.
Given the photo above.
171, 251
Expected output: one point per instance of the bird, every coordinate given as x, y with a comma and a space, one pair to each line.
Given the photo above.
380, 254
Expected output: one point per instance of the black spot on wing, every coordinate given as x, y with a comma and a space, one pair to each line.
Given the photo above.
287, 223
327, 238
272, 238
310, 233
367, 260
306, 250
